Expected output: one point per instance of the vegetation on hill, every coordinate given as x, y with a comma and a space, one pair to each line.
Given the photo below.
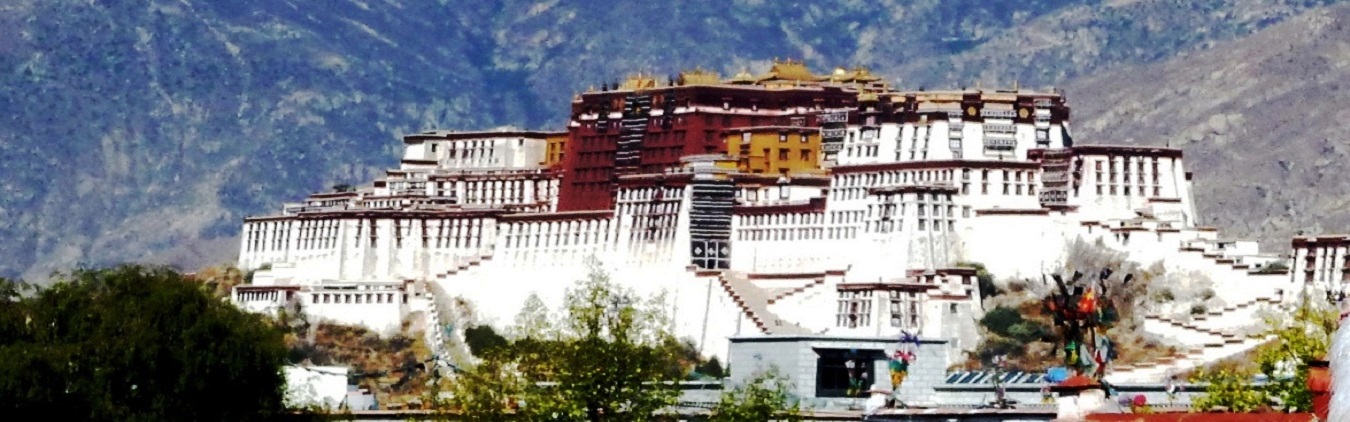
144, 131
135, 343
608, 355
766, 396
1017, 326
1295, 342
395, 367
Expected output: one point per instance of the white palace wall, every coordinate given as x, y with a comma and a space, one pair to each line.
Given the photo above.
398, 247
801, 245
1015, 245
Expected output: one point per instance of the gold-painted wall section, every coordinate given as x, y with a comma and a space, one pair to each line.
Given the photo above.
555, 144
786, 150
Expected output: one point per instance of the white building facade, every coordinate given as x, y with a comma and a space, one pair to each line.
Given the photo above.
873, 248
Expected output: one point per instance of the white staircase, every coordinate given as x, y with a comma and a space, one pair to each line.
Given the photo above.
1209, 337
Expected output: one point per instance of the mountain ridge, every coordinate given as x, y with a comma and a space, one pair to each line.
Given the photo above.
1256, 118
144, 131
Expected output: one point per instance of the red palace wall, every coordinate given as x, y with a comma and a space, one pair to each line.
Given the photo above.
596, 155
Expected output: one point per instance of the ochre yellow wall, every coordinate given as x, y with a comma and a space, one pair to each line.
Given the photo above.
755, 160
555, 145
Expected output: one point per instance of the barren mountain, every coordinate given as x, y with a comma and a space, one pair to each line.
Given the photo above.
1262, 119
145, 130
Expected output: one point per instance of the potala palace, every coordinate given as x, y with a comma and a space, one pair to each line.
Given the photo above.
822, 210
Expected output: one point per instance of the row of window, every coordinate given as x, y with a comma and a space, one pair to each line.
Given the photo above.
476, 150
275, 236
595, 159
889, 210
651, 208
1014, 189
263, 296
545, 240
798, 233
358, 298
456, 235
1125, 190
892, 178
649, 194
905, 310
498, 191
792, 219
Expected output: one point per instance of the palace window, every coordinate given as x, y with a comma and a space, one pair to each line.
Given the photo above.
905, 309
836, 368
855, 309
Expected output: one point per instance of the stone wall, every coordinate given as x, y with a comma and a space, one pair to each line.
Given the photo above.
797, 357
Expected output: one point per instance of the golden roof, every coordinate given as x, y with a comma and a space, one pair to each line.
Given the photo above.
858, 74
743, 78
699, 76
789, 70
638, 82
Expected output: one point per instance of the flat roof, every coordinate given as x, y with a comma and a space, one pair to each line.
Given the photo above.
451, 135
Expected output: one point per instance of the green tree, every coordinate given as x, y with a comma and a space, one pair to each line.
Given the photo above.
533, 321
220, 280
136, 343
1284, 362
765, 396
490, 391
610, 356
1230, 389
483, 341
712, 368
610, 363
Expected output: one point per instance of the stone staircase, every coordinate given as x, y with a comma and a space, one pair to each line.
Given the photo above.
1210, 337
781, 294
1210, 251
465, 264
1233, 316
435, 328
1158, 370
754, 302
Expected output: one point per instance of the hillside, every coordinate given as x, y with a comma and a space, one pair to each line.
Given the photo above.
145, 130
1261, 119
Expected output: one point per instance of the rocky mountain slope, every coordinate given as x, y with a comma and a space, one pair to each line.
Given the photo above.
1261, 118
144, 130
